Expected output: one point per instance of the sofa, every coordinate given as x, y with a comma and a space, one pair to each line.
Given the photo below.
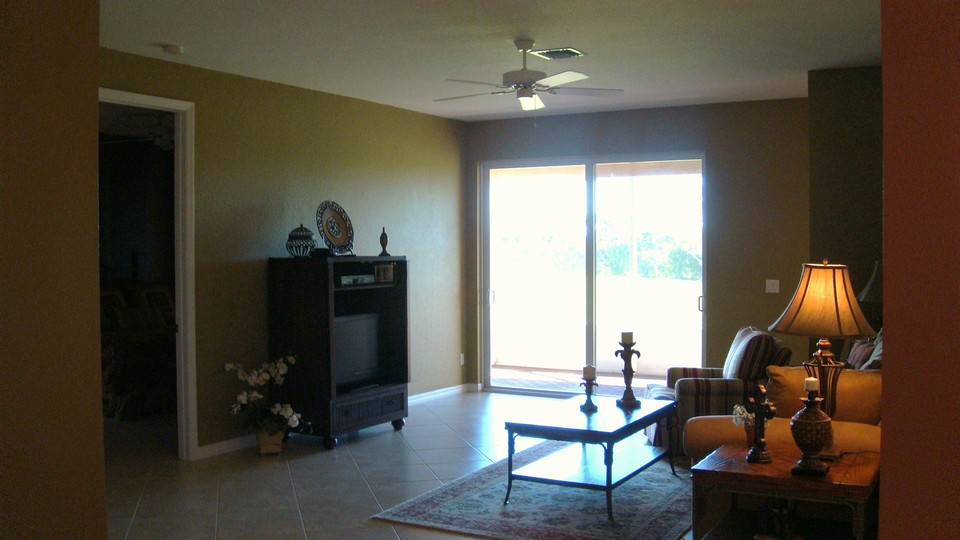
856, 422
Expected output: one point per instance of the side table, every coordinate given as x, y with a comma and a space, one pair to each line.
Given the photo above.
717, 480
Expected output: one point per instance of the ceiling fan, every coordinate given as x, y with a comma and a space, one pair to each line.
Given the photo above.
527, 83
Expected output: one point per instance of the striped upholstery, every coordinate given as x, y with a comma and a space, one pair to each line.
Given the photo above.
750, 354
711, 391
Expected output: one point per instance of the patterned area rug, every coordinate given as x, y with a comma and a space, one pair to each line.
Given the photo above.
652, 505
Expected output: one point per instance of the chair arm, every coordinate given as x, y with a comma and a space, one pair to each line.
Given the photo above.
706, 397
674, 374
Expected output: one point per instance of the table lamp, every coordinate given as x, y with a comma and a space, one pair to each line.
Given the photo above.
824, 306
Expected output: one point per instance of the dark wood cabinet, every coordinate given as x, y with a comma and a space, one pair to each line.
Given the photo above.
345, 321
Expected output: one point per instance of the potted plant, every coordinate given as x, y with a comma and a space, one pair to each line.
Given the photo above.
741, 416
260, 406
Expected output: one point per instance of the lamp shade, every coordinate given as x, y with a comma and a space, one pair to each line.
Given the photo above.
824, 305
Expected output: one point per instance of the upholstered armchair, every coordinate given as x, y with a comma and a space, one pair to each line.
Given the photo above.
712, 391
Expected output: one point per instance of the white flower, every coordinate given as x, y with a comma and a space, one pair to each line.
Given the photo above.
264, 378
229, 367
254, 395
287, 411
294, 420
291, 360
235, 408
282, 369
242, 398
276, 408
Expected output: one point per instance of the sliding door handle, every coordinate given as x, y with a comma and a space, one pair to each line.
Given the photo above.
700, 303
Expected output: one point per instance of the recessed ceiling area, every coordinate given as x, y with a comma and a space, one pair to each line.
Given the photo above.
403, 53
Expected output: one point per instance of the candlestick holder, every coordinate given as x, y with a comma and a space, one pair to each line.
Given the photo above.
812, 430
628, 401
589, 406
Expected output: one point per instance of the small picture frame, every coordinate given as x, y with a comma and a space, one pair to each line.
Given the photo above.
384, 273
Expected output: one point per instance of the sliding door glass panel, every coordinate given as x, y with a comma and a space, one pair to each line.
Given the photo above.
537, 268
649, 263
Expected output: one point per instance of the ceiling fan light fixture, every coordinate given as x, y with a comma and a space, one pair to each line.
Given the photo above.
561, 53
529, 101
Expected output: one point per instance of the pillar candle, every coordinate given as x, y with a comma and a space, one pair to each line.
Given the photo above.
811, 384
626, 337
589, 372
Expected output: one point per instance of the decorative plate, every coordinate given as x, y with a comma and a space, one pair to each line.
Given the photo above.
335, 228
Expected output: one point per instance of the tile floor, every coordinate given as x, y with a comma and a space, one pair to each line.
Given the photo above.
306, 492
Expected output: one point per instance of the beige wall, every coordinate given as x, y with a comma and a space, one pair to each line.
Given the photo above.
266, 156
756, 193
51, 428
920, 488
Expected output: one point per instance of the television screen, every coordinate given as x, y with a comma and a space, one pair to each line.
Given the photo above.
355, 349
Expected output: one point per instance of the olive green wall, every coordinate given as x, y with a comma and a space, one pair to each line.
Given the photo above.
846, 169
51, 424
266, 156
756, 194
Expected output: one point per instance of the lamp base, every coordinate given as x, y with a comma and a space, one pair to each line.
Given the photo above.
810, 466
812, 431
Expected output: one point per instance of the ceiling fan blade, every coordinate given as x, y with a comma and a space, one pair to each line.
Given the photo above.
563, 77
531, 103
589, 92
474, 82
472, 95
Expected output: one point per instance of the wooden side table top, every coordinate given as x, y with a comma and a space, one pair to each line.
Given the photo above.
853, 477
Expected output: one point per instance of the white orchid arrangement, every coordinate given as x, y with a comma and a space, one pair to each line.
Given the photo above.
260, 405
742, 416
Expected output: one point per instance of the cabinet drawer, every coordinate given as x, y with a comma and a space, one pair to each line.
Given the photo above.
363, 412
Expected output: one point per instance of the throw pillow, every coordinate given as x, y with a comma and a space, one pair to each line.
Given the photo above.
858, 393
785, 389
860, 353
749, 355
875, 361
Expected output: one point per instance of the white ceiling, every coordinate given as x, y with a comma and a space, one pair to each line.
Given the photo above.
400, 52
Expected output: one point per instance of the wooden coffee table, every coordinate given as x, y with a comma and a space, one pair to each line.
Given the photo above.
590, 465
721, 476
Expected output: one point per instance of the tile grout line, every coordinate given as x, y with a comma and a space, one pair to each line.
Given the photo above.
216, 515
143, 490
370, 488
296, 496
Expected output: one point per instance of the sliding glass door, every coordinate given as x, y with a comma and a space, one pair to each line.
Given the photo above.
575, 254
536, 298
649, 263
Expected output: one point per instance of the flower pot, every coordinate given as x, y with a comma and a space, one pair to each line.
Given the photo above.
270, 443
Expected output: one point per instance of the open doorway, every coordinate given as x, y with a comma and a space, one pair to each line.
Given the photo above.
137, 277
147, 261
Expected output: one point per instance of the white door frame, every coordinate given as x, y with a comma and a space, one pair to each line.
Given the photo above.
183, 111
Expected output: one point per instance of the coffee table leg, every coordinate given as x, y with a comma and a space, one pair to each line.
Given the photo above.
510, 446
608, 461
670, 442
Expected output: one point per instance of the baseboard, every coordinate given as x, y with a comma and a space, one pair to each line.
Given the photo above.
248, 441
442, 392
224, 447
